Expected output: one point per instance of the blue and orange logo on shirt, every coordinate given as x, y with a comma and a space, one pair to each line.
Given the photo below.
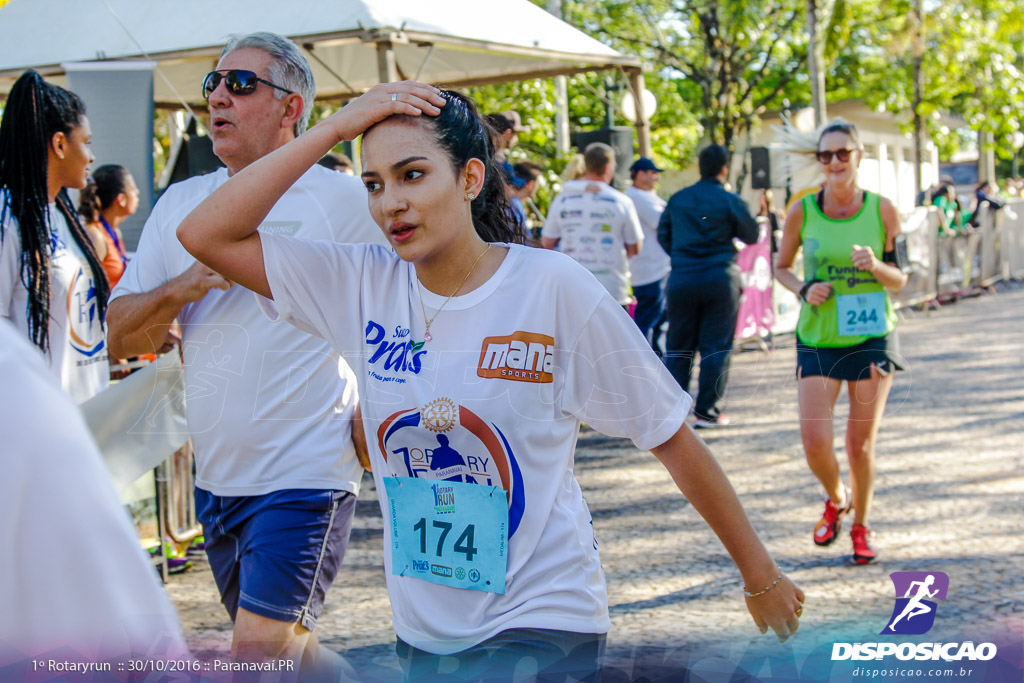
85, 329
449, 442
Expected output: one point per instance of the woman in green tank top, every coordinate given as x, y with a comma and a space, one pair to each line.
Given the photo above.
846, 330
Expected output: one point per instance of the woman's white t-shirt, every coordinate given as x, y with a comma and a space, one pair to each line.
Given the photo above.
78, 349
512, 369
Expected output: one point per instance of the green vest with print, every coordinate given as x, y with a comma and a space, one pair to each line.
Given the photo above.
858, 308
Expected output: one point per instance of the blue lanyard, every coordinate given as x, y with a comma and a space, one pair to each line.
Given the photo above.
117, 242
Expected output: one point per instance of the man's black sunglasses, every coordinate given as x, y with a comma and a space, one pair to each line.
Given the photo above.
238, 81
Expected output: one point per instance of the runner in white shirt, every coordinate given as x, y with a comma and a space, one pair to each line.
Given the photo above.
598, 229
478, 359
52, 285
650, 268
269, 407
76, 588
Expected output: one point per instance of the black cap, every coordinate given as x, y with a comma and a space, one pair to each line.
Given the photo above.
643, 164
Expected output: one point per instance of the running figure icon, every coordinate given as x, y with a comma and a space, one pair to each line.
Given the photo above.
916, 607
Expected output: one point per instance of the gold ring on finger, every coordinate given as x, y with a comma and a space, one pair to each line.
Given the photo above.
799, 612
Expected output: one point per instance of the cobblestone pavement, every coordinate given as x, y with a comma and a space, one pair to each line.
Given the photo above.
949, 497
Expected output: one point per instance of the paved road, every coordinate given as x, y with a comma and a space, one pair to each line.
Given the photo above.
950, 497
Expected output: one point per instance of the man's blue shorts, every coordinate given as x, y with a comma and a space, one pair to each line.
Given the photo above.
277, 554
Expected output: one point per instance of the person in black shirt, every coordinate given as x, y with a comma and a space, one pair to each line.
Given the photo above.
697, 230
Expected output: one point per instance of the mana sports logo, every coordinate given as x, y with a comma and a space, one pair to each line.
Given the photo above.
916, 592
520, 356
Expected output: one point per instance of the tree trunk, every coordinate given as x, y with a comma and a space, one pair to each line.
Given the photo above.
816, 60
917, 15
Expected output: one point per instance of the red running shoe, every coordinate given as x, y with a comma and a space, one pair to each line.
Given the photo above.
863, 553
827, 529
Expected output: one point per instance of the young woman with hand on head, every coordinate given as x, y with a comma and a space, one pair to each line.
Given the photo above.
52, 285
847, 326
478, 358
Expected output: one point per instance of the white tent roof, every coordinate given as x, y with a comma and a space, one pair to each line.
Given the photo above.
451, 42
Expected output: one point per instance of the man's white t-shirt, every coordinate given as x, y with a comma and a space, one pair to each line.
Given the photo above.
652, 263
75, 583
511, 370
593, 228
268, 407
78, 342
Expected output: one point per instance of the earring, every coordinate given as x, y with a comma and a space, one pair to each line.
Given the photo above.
470, 196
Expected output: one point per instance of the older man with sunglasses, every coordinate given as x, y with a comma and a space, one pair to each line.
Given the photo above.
269, 408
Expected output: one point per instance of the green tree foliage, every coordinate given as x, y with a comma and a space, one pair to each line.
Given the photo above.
714, 67
728, 60
979, 46
674, 128
973, 62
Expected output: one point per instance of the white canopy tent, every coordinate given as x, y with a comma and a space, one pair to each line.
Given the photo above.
351, 44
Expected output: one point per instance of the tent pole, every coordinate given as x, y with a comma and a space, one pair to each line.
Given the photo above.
387, 71
562, 114
643, 124
561, 95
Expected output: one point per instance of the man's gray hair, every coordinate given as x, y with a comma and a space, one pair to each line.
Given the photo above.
289, 69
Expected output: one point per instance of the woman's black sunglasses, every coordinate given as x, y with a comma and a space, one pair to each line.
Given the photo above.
238, 81
825, 155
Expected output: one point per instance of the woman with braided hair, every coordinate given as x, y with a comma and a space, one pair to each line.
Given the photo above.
52, 285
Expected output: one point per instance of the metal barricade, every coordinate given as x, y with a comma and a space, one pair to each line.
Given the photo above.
1012, 242
172, 493
993, 260
177, 493
959, 263
922, 231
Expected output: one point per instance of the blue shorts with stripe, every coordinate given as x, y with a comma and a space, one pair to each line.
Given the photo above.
276, 554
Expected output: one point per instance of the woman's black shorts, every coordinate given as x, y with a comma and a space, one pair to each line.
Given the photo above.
850, 363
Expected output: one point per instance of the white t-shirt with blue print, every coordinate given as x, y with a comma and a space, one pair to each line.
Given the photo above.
497, 396
78, 348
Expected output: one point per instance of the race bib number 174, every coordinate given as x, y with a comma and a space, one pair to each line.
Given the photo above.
448, 532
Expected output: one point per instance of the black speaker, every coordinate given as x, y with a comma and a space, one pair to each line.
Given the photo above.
760, 168
194, 156
620, 138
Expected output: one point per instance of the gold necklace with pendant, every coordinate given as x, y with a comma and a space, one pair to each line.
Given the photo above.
426, 335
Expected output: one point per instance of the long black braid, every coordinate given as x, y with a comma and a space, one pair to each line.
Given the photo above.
35, 112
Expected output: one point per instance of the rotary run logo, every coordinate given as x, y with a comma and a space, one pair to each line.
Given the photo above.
914, 611
449, 442
84, 326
